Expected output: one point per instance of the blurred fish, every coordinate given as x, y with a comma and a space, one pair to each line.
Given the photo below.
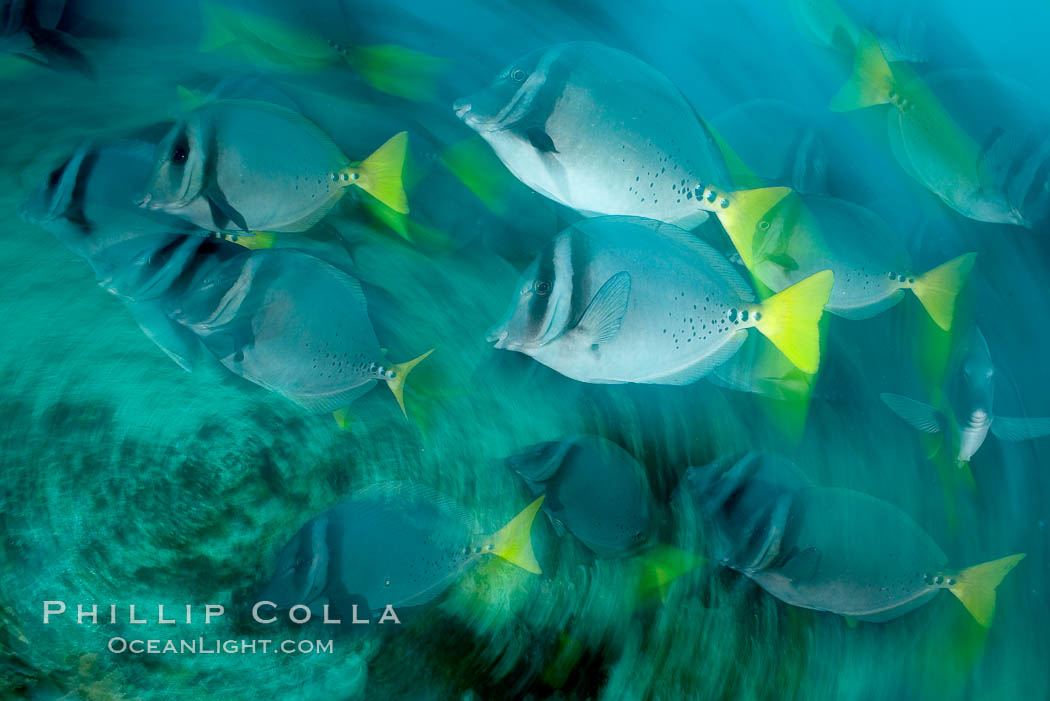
29, 29
391, 544
832, 549
278, 45
239, 166
776, 143
293, 324
601, 132
145, 258
803, 235
625, 299
975, 142
901, 32
967, 414
594, 488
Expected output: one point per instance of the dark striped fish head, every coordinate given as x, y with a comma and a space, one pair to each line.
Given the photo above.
178, 173
300, 575
541, 309
512, 96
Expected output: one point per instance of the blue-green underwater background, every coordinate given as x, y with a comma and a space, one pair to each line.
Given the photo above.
126, 480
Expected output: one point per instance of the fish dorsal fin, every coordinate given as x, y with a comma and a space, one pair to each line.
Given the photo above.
921, 416
714, 260
539, 462
602, 319
1020, 428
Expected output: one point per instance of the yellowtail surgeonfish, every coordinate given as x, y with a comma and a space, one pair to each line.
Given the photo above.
625, 299
803, 235
829, 549
286, 46
240, 166
395, 544
978, 146
968, 415
598, 130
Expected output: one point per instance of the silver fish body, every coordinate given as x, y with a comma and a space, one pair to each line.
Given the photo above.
288, 322
393, 543
242, 166
599, 131
875, 564
622, 299
805, 234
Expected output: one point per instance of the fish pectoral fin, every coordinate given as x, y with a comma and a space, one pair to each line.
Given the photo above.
802, 566
602, 319
1020, 428
921, 416
343, 418
222, 212
540, 140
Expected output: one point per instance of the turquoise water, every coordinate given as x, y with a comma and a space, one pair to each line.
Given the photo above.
129, 481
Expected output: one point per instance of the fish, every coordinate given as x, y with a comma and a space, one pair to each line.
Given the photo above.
240, 166
293, 324
901, 33
599, 131
977, 142
626, 299
873, 271
398, 544
29, 31
278, 45
146, 259
968, 415
833, 549
594, 489
776, 143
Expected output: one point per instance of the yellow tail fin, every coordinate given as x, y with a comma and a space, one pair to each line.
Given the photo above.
789, 319
662, 565
513, 542
938, 288
975, 586
396, 383
380, 174
398, 71
872, 80
746, 208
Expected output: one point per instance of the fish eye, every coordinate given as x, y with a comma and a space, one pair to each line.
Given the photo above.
542, 287
179, 154
518, 75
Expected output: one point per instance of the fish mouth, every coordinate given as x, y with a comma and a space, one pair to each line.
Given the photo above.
462, 108
497, 335
146, 202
